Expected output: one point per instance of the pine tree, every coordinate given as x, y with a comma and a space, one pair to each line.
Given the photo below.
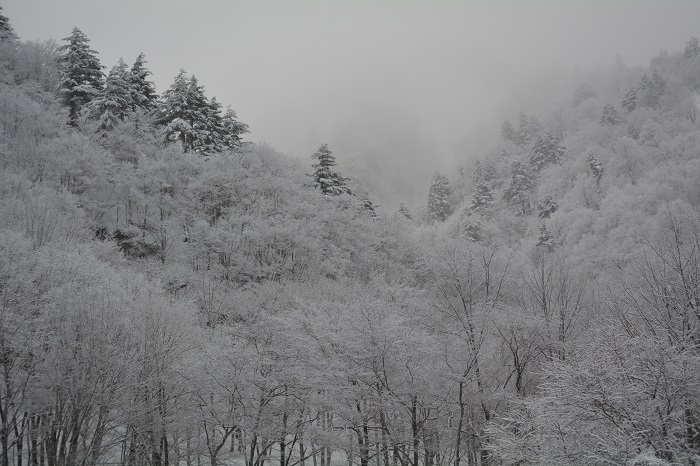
368, 206
232, 129
652, 88
610, 116
547, 207
471, 228
143, 91
188, 116
629, 103
114, 104
596, 168
7, 33
81, 74
403, 210
482, 198
547, 150
524, 135
484, 173
507, 131
325, 178
520, 188
545, 238
439, 206
692, 48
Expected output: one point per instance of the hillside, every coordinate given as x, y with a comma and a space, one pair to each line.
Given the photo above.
171, 294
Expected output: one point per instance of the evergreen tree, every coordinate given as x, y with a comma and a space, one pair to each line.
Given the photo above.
629, 103
188, 116
403, 210
545, 238
524, 135
482, 198
484, 173
507, 131
113, 105
471, 228
7, 33
143, 91
520, 188
81, 74
692, 48
596, 168
211, 136
439, 205
368, 206
325, 178
547, 150
547, 207
232, 129
652, 88
610, 116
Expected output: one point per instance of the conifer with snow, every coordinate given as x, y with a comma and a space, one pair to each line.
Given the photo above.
232, 129
547, 150
547, 207
368, 206
692, 48
507, 131
524, 134
143, 91
595, 167
609, 116
545, 238
439, 205
81, 74
403, 210
329, 181
7, 32
629, 103
114, 104
520, 189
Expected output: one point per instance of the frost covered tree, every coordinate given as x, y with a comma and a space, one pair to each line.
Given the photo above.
652, 88
482, 198
507, 131
595, 167
547, 207
692, 48
609, 116
524, 135
368, 206
6, 30
520, 189
629, 103
403, 210
114, 104
81, 74
329, 181
547, 150
545, 238
439, 205
232, 129
143, 91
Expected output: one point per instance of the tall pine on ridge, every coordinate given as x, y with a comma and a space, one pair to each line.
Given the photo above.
81, 74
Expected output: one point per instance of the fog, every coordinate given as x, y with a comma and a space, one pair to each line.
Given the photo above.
422, 85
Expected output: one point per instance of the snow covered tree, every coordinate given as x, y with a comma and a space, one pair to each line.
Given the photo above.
595, 167
482, 198
6, 30
507, 131
368, 206
82, 79
610, 116
113, 105
439, 205
329, 181
548, 206
403, 210
629, 103
547, 150
232, 129
545, 238
484, 172
692, 48
520, 188
524, 135
143, 91
652, 88
189, 117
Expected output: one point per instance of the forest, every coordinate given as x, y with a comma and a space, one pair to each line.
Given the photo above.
171, 294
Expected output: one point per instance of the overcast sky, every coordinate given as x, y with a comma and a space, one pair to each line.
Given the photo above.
305, 72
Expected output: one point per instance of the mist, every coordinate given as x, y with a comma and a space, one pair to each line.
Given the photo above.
397, 89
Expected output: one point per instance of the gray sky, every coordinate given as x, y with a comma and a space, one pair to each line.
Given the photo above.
305, 72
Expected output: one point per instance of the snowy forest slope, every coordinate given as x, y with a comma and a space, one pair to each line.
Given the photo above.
170, 294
